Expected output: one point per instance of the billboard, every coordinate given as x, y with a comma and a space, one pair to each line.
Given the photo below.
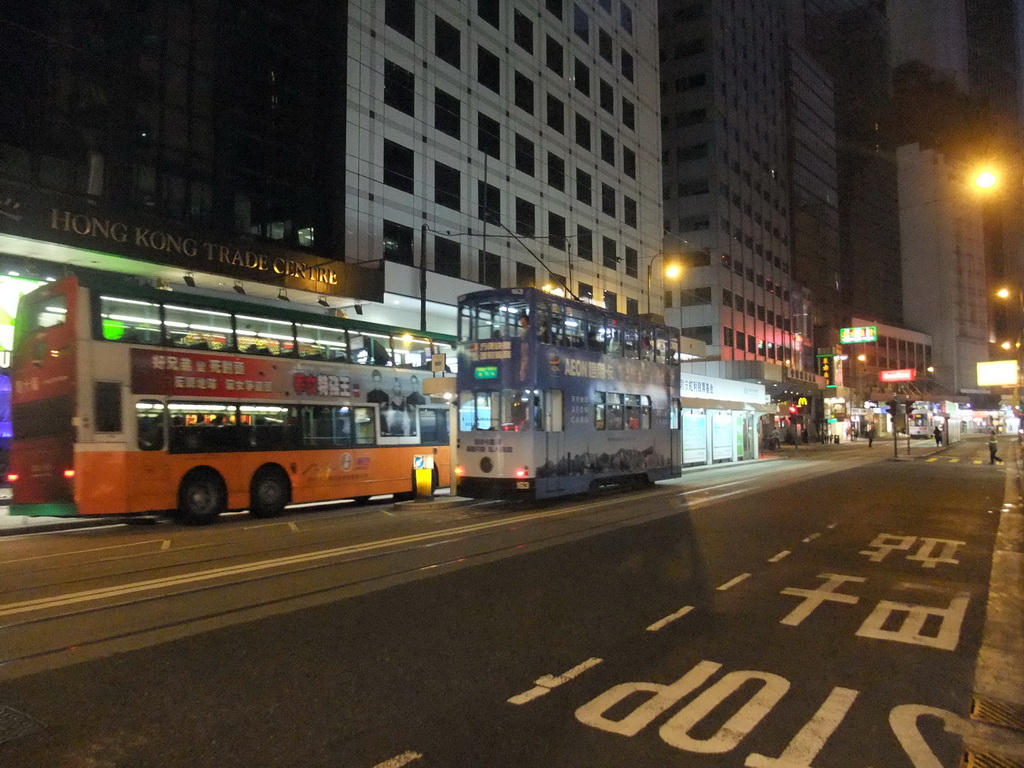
898, 374
997, 373
858, 335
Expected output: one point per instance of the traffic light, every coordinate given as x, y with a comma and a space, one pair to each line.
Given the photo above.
794, 409
894, 407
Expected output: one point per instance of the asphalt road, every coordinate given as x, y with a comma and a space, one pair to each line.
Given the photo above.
825, 610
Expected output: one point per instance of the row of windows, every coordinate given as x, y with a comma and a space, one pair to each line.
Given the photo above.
758, 311
399, 88
145, 322
230, 427
513, 410
400, 15
399, 165
747, 342
399, 248
400, 93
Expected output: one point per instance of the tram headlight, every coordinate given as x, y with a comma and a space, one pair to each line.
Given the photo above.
460, 470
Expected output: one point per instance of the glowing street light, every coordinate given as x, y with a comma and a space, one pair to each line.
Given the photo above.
672, 270
986, 179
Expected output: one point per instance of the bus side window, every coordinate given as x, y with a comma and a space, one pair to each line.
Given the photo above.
363, 422
149, 425
553, 416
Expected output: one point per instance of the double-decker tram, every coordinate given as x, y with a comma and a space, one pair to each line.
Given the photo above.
558, 397
128, 400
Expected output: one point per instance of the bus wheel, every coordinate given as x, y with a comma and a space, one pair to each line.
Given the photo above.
268, 493
201, 498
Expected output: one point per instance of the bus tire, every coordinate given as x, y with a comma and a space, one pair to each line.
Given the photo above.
201, 497
269, 492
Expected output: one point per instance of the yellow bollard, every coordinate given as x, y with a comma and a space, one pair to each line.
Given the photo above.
424, 482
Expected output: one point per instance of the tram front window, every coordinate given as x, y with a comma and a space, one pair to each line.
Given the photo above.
515, 410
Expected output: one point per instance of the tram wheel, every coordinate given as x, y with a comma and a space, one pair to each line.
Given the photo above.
201, 497
269, 493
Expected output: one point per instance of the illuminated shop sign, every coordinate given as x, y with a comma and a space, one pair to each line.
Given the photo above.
899, 374
858, 335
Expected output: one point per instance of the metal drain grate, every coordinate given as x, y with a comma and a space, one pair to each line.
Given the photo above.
998, 713
973, 760
15, 724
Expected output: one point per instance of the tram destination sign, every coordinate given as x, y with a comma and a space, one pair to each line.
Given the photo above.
485, 372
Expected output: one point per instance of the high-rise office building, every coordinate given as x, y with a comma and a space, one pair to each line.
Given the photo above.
506, 143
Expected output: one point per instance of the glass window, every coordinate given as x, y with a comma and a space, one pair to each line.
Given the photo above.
523, 32
447, 186
398, 166
258, 336
197, 328
400, 15
411, 351
447, 42
131, 321
433, 423
399, 87
599, 410
53, 311
581, 23
555, 57
269, 427
478, 411
447, 113
515, 410
370, 349
613, 418
149, 425
633, 411
582, 73
556, 114
524, 92
488, 69
317, 342
204, 428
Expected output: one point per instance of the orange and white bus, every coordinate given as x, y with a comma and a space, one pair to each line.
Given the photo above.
129, 400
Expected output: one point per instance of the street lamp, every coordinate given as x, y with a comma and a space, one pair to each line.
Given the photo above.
672, 270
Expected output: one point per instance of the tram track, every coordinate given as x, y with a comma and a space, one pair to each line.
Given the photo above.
298, 575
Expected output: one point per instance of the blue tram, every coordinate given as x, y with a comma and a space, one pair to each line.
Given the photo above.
557, 397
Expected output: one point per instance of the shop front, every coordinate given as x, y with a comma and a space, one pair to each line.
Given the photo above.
720, 419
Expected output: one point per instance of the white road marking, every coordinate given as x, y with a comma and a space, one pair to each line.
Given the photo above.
733, 582
811, 538
809, 741
815, 597
546, 683
399, 760
903, 721
164, 542
950, 621
830, 526
782, 554
670, 618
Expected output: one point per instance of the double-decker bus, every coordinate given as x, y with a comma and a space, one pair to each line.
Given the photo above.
557, 397
127, 399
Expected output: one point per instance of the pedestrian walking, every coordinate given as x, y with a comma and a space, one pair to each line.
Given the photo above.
938, 435
993, 446
871, 435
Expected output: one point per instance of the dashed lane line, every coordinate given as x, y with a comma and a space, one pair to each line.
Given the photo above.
545, 684
670, 618
733, 582
399, 760
782, 554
